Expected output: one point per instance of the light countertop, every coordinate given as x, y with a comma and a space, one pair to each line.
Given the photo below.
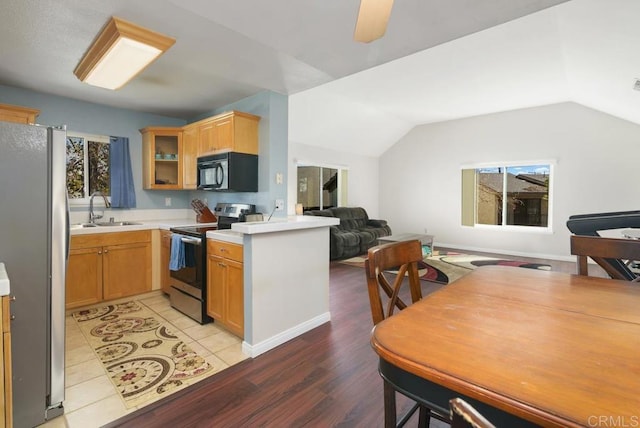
284, 224
236, 234
164, 224
233, 235
226, 235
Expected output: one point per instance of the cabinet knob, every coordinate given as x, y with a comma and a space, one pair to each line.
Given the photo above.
12, 298
221, 264
106, 251
12, 317
99, 252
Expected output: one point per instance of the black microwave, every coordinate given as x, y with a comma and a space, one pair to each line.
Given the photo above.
228, 172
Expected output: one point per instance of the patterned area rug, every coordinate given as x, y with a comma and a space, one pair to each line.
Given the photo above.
143, 358
444, 267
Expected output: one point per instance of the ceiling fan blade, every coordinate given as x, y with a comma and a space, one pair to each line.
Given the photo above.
372, 20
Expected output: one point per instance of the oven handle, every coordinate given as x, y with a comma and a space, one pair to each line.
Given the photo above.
196, 241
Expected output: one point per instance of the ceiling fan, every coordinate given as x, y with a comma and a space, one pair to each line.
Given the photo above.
372, 20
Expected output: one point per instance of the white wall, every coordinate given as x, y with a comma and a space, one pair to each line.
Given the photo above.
363, 175
597, 171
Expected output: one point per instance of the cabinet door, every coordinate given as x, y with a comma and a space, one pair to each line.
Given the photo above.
216, 135
162, 158
190, 157
223, 134
84, 277
216, 279
126, 270
206, 139
234, 298
165, 257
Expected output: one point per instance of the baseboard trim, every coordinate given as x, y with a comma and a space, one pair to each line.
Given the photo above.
508, 252
280, 338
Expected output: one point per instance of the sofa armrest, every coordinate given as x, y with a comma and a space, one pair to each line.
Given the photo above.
334, 230
376, 223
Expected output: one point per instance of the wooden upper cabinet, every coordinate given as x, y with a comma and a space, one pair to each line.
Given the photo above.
170, 155
10, 113
162, 158
190, 142
229, 132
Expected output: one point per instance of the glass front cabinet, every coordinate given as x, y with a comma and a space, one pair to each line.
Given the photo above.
162, 158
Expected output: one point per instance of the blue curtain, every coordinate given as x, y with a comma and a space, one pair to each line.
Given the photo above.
123, 194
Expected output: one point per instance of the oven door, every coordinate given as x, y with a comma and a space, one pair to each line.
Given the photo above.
190, 278
212, 174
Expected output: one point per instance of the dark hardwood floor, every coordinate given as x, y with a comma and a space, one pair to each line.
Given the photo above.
325, 378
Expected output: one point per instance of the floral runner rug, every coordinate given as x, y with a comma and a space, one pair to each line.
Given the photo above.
444, 267
143, 358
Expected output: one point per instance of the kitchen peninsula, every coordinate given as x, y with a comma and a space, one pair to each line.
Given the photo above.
286, 277
284, 272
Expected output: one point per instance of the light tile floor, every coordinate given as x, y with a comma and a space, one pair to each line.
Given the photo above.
91, 399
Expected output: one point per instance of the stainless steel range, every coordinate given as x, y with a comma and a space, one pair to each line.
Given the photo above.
188, 280
188, 271
232, 213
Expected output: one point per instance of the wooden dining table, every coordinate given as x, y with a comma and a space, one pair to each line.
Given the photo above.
526, 347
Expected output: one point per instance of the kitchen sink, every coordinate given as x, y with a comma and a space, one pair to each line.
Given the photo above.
116, 223
104, 223
83, 225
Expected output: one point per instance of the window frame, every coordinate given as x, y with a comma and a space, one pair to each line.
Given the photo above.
468, 206
342, 172
105, 139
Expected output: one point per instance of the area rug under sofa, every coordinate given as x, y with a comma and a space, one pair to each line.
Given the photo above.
444, 267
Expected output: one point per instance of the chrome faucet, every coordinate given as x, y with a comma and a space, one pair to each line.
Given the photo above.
93, 216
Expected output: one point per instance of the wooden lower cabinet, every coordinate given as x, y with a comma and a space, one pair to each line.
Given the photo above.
6, 390
84, 276
105, 266
126, 270
225, 285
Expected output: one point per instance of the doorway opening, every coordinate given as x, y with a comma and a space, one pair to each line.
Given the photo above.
321, 187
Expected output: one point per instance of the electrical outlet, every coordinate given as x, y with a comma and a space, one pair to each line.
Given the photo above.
167, 202
279, 204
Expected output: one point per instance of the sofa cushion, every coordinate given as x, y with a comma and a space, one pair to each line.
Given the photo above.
355, 234
344, 244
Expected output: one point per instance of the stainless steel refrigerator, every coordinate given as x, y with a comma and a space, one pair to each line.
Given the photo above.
33, 247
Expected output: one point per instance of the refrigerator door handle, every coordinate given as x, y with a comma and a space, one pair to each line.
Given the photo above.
68, 227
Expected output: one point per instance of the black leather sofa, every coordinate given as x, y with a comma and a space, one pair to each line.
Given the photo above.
356, 232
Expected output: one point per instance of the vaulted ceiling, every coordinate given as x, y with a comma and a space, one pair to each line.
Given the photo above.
439, 60
581, 51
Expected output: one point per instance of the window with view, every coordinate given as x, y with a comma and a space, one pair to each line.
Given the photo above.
507, 195
88, 166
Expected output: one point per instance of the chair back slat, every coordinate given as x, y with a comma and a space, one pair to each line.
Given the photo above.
402, 257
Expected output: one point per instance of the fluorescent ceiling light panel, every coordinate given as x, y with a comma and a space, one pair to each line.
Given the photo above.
119, 53
373, 17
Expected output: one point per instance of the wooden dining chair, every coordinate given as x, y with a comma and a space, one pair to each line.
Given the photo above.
463, 415
402, 258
